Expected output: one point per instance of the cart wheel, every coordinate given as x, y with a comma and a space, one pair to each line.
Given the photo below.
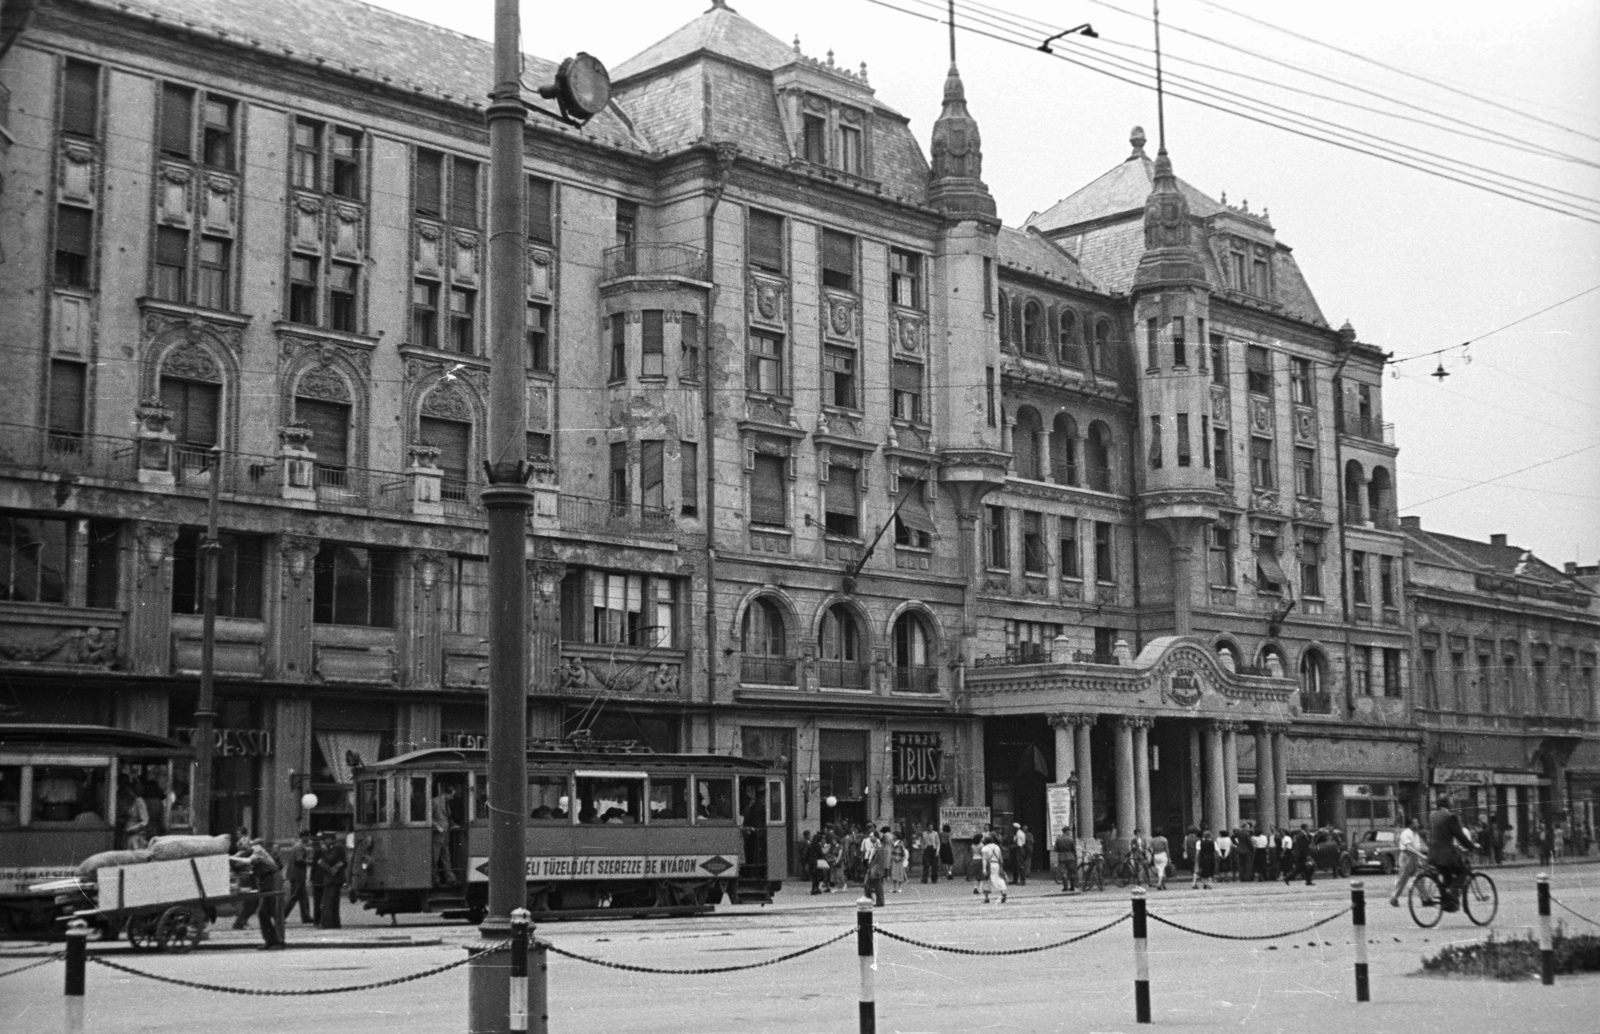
142, 931
180, 929
1342, 868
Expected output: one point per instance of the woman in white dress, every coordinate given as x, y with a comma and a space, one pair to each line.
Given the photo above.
994, 867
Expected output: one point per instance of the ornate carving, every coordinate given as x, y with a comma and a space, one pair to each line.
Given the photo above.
768, 299
446, 402
86, 646
191, 362
909, 333
320, 382
155, 544
1261, 414
1305, 425
841, 317
572, 674
297, 553
665, 680
1309, 511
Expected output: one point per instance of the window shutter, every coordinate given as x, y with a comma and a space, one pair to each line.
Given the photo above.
838, 253
74, 230
906, 377
914, 512
540, 196
767, 495
841, 491
766, 241
330, 426
177, 105
453, 439
194, 410
651, 475
66, 396
689, 471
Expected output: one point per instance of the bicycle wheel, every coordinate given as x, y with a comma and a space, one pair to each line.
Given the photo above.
1482, 900
1426, 901
1122, 875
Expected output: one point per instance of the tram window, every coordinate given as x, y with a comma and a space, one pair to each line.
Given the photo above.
774, 800
547, 798
669, 799
610, 800
372, 800
418, 811
10, 796
480, 796
69, 793
714, 799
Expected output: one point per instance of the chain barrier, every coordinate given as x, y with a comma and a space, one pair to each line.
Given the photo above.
552, 949
1580, 915
1124, 917
223, 989
58, 956
1250, 937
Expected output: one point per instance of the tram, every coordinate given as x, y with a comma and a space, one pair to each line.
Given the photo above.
62, 790
610, 827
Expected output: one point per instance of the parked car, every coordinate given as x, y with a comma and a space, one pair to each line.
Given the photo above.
1378, 850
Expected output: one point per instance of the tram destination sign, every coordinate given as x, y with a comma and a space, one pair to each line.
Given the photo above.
612, 867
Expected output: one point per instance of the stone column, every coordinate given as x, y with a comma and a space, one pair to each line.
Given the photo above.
1082, 445
1266, 781
1127, 811
1216, 778
1066, 755
1181, 555
1141, 774
1196, 777
290, 656
1085, 776
1280, 773
1230, 773
148, 650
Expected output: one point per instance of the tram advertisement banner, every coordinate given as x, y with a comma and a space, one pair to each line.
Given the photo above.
16, 879
613, 867
965, 823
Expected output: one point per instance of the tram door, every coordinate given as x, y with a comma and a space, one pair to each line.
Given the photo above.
443, 781
753, 817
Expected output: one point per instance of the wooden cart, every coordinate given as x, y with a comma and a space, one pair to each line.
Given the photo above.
161, 906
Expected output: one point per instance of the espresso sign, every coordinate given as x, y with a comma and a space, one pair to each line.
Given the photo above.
918, 764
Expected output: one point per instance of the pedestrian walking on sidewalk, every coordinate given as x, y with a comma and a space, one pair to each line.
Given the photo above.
334, 865
1409, 858
1161, 857
947, 853
1304, 862
295, 861
1207, 869
1067, 858
994, 868
898, 856
930, 854
877, 867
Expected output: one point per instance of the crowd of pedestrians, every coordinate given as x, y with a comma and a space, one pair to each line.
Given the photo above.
309, 872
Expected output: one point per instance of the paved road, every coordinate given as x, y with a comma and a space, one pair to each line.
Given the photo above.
1299, 984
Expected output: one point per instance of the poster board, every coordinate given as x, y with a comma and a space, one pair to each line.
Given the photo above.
1058, 803
964, 823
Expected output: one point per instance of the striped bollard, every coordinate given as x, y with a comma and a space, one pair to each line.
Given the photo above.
517, 1004
77, 962
869, 965
1547, 946
1358, 920
1141, 959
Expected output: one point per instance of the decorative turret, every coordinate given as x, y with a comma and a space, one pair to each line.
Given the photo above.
1170, 255
955, 183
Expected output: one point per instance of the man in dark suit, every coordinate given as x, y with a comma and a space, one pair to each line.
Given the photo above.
1304, 862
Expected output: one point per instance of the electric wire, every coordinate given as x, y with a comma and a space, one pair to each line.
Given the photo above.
1502, 477
1489, 333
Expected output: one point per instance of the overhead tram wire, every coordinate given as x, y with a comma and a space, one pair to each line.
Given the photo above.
1510, 193
1502, 477
1490, 333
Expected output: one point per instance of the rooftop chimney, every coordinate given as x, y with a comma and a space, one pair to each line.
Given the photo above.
1572, 567
1411, 523
1497, 540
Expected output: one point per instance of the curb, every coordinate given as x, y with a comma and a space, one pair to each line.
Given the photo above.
238, 944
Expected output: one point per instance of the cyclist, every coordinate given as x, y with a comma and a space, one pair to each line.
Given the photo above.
1443, 853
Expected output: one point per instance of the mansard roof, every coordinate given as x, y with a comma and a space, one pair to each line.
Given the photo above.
721, 31
1029, 252
1488, 558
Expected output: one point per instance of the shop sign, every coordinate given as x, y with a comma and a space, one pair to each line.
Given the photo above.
611, 867
918, 764
964, 823
17, 879
1183, 687
1519, 779
233, 743
1450, 743
455, 739
1461, 776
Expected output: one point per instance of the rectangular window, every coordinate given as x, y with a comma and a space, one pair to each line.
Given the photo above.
103, 562
1310, 564
905, 382
1391, 672
1261, 467
195, 407
652, 474
1034, 557
1260, 279
74, 245
80, 99
347, 163
1361, 670
999, 539
463, 320
67, 397
344, 281
1222, 556
1071, 563
464, 192
769, 495
1458, 683
302, 290
1386, 584
1219, 368
689, 478
241, 564
1306, 481
1219, 452
218, 140
839, 377
172, 264
1155, 442
905, 278
177, 121
763, 370
539, 446
814, 138
913, 525
689, 339
619, 347
1152, 340
620, 493
841, 502
1185, 457
1180, 344
1300, 381
653, 344
429, 188
625, 225
988, 287
306, 164
1104, 565
838, 260
1270, 577
330, 434
988, 396
1258, 370
850, 149
425, 314
765, 243
216, 272
453, 439
33, 560
1200, 342
1358, 577
539, 338
1205, 441
355, 586
541, 202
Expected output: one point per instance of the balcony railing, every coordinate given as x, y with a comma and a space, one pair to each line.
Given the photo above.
581, 513
843, 674
1369, 427
1316, 703
655, 259
767, 671
66, 452
916, 678
241, 473
358, 486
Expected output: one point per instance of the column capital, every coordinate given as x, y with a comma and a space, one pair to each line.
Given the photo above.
1063, 721
1084, 720
298, 551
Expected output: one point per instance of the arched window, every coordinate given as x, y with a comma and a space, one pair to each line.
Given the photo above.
1098, 460
1064, 450
1272, 662
1025, 443
1033, 328
766, 649
1313, 680
840, 664
914, 667
1016, 322
1355, 490
1380, 498
1103, 360
1069, 349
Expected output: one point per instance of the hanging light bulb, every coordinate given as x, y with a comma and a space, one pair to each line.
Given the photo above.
1441, 373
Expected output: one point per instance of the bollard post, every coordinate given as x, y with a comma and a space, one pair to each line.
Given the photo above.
1358, 922
539, 988
1547, 946
869, 965
517, 1011
77, 962
1141, 959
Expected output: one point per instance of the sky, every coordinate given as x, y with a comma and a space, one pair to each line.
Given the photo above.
1509, 441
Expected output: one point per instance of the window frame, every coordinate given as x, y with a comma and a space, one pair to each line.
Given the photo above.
837, 260
379, 606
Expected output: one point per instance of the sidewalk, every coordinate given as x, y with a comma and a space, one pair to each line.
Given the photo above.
222, 937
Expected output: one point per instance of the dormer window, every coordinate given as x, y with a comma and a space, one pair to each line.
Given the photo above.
850, 149
829, 133
815, 139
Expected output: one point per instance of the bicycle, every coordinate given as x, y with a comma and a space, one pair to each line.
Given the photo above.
1476, 892
1130, 870
1092, 873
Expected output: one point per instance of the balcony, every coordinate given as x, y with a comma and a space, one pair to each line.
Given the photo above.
68, 453
767, 671
844, 675
238, 473
1316, 703
1367, 427
358, 486
655, 259
583, 514
916, 678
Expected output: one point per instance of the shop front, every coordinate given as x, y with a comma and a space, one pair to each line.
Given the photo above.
242, 751
917, 769
1358, 779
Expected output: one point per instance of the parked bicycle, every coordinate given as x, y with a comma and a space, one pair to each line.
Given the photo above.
1475, 893
1092, 873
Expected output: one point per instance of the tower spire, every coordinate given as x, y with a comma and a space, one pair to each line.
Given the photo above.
952, 24
1161, 93
955, 176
